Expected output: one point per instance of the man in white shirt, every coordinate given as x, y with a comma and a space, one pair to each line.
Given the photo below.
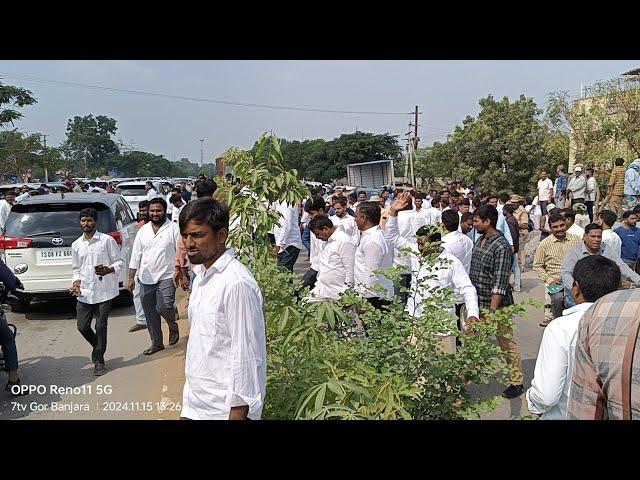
154, 252
455, 242
362, 197
421, 209
151, 193
343, 218
178, 204
406, 223
503, 198
591, 193
594, 277
545, 191
226, 360
447, 272
373, 253
288, 242
570, 219
313, 208
336, 262
95, 259
5, 207
24, 193
609, 237
577, 186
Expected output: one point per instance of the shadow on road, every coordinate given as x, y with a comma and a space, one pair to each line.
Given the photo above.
517, 406
45, 372
66, 310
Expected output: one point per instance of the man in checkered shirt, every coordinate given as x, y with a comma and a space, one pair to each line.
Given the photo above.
602, 338
491, 264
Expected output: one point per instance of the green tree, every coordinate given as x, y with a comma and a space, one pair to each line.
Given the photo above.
89, 143
324, 161
13, 97
503, 149
604, 125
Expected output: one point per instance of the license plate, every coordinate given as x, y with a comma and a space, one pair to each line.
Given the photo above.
54, 255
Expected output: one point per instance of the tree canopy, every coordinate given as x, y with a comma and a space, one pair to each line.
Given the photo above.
324, 161
502, 149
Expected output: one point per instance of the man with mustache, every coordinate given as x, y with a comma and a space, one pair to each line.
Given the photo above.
154, 251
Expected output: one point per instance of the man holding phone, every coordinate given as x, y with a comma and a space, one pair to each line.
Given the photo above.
95, 258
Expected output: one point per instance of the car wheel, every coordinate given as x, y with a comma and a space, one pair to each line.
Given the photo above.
20, 306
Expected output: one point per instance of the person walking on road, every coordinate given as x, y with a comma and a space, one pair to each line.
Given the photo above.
226, 360
591, 193
95, 259
491, 265
141, 321
154, 251
545, 191
547, 264
615, 189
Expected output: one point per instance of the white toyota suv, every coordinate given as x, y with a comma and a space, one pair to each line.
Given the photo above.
134, 193
36, 242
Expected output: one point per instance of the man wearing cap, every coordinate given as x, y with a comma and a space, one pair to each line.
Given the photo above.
577, 186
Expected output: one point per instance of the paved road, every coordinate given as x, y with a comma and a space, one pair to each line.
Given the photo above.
53, 356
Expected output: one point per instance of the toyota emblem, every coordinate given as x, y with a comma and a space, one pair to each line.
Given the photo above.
57, 241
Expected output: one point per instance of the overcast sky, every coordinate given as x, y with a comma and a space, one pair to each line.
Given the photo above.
445, 91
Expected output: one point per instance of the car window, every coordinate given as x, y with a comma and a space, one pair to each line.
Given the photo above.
127, 215
27, 220
131, 191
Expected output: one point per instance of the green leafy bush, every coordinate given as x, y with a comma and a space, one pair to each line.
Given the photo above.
347, 360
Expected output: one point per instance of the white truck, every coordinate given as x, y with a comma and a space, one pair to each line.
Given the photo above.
371, 174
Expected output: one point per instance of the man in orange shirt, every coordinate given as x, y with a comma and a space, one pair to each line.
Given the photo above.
615, 191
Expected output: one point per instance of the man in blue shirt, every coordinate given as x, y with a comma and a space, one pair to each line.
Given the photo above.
186, 194
630, 236
562, 181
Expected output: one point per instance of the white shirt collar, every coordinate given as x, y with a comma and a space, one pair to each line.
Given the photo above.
218, 266
371, 230
581, 307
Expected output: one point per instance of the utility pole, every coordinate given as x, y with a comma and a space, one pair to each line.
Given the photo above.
201, 153
46, 172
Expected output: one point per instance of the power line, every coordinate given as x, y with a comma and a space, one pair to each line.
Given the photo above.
30, 78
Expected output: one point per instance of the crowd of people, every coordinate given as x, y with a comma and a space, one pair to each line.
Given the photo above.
479, 240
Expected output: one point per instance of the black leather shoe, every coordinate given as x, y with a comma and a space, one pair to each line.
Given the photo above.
99, 369
174, 337
137, 327
513, 391
15, 393
153, 349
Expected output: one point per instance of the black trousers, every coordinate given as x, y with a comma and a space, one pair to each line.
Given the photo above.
405, 282
97, 339
379, 303
589, 204
310, 278
287, 257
